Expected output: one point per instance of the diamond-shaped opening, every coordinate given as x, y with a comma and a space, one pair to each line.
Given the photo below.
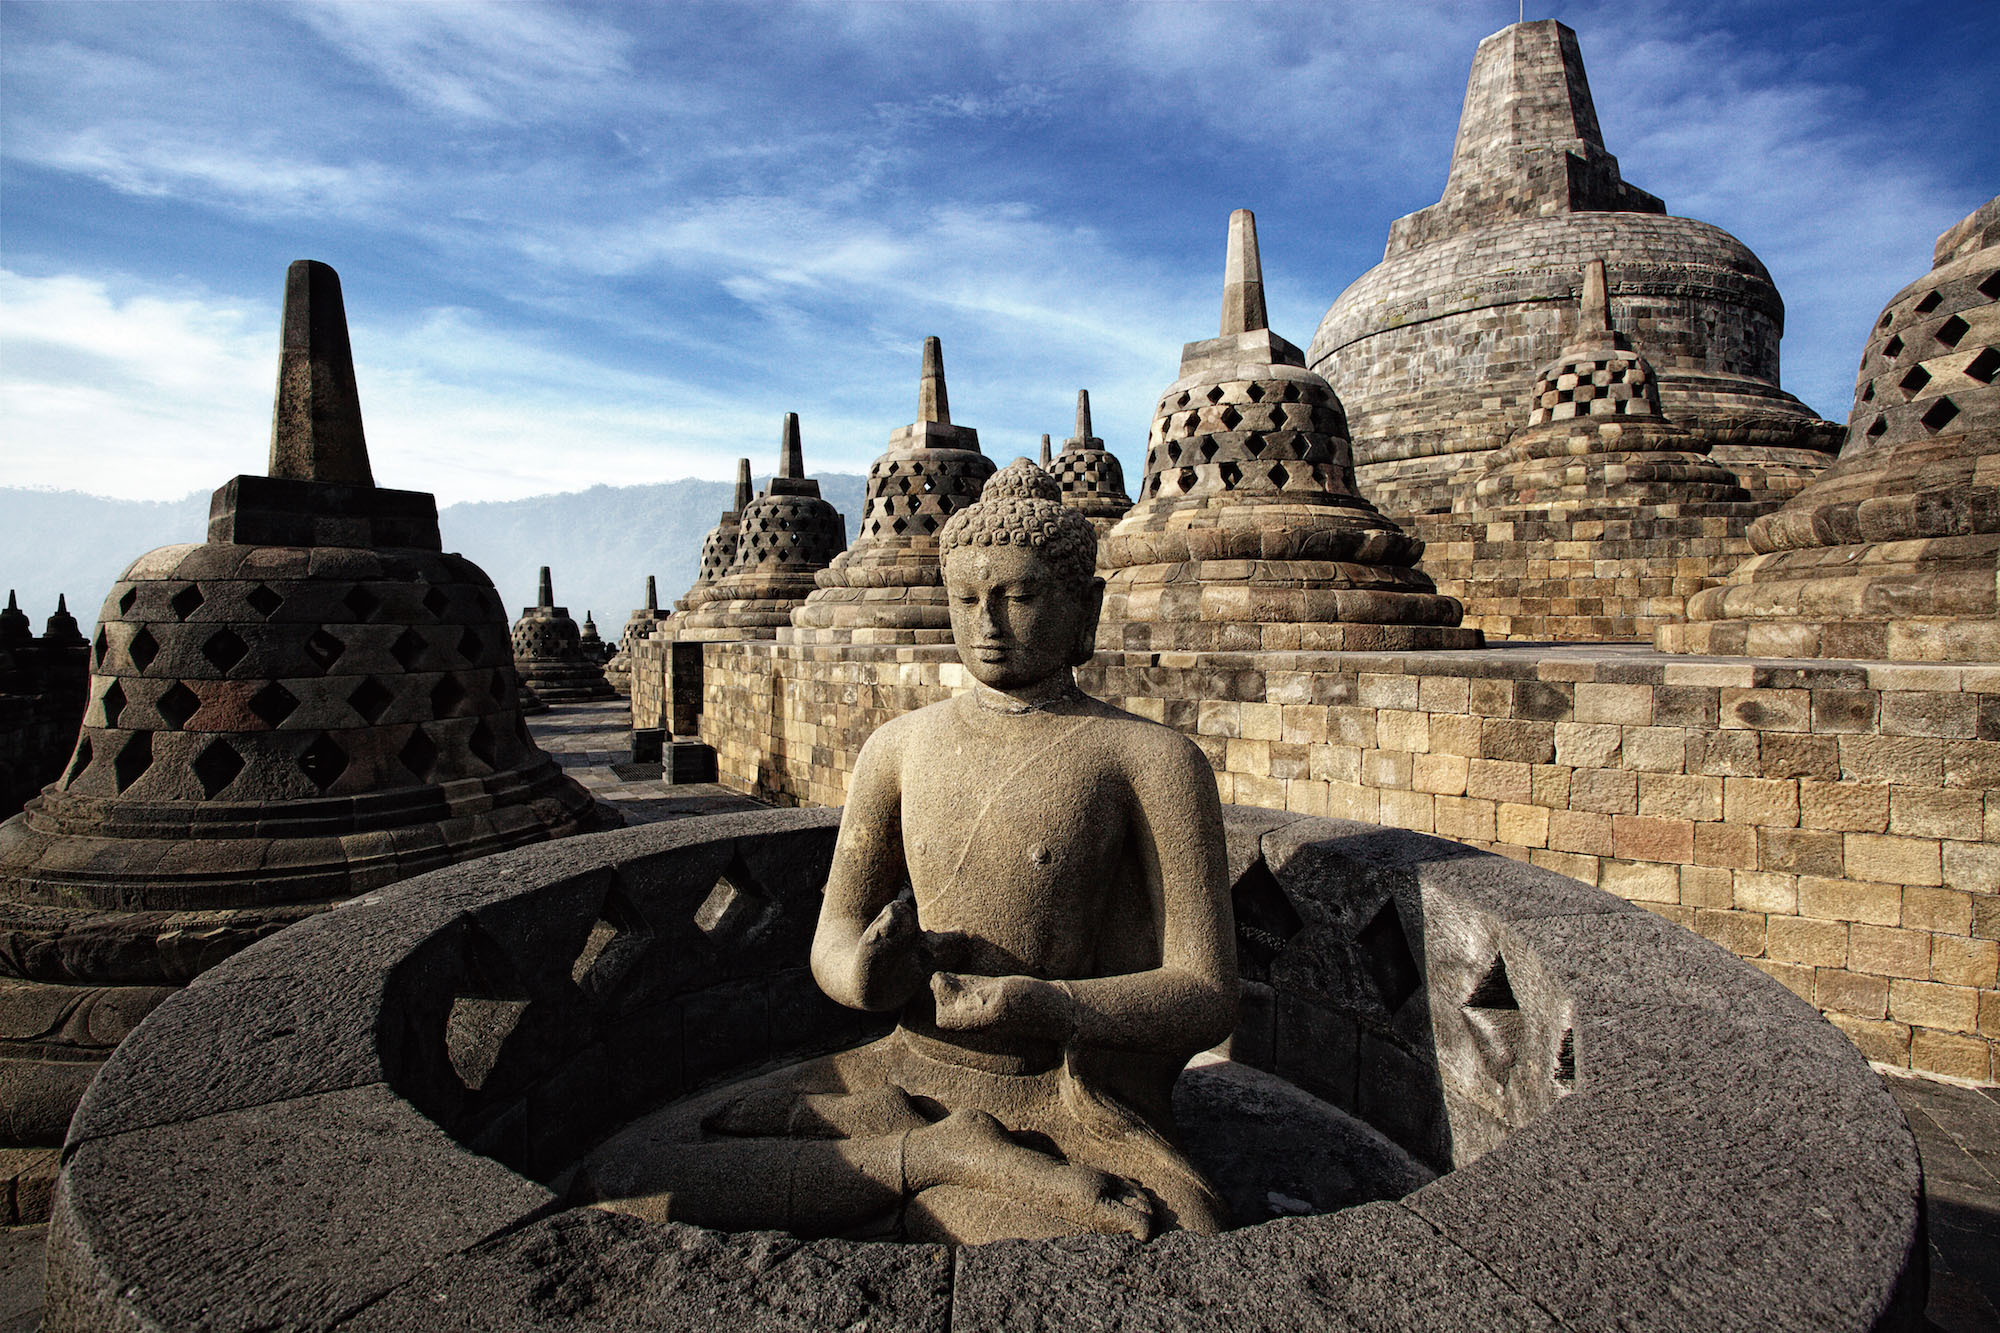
1231, 473
114, 704
470, 645
78, 762
1989, 286
264, 600
1565, 1071
1913, 383
1278, 474
1952, 331
273, 704
408, 649
484, 745
1883, 323
419, 755
144, 648
1255, 393
1984, 366
1385, 953
1940, 414
1876, 427
133, 760
446, 696
900, 526
1929, 303
1290, 393
1893, 348
361, 602
1255, 445
435, 601
1229, 418
178, 704
1493, 991
125, 601
1279, 417
1187, 479
1265, 921
98, 647
1868, 392
371, 699
217, 766
187, 601
224, 649
1173, 453
1215, 394
323, 761
1208, 448
323, 649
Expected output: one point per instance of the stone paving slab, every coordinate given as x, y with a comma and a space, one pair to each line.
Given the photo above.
1958, 1140
593, 743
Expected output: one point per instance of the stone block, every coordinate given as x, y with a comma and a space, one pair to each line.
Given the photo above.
1730, 845
1680, 796
1884, 1043
1520, 741
1441, 774
1847, 807
1927, 1004
1799, 851
1499, 780
1723, 753
1521, 825
1639, 838
1641, 883
1924, 713
1851, 993
1793, 977
1764, 891
1912, 761
1610, 791
1407, 809
1770, 802
1456, 733
1974, 867
1465, 819
1889, 953
1791, 939
1937, 812
1581, 832
1397, 729
1836, 711
1830, 899
1943, 911
1655, 749
1960, 961
1766, 710
1626, 705
1790, 755
1891, 859
1952, 1055
1742, 933
1587, 745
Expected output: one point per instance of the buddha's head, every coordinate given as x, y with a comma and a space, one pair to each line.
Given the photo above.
1020, 572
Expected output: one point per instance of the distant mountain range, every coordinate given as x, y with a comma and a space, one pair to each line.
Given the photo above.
600, 544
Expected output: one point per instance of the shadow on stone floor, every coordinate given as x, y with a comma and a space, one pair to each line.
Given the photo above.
1958, 1138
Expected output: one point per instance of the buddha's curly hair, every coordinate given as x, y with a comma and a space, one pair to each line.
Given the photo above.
1021, 505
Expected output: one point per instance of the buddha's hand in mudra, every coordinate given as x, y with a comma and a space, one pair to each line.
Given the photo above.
1006, 1006
895, 956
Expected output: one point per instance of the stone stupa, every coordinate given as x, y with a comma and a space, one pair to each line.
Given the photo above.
314, 702
718, 548
887, 587
1248, 533
784, 538
548, 650
643, 621
1894, 553
1600, 518
1091, 477
1475, 292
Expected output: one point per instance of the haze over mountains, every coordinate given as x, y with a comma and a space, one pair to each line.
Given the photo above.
601, 543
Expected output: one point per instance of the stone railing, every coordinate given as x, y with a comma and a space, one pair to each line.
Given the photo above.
356, 1123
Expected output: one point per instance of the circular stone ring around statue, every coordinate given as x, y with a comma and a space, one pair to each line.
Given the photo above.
351, 1124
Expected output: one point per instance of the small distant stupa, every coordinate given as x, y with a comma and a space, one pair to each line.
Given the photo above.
549, 651
1091, 477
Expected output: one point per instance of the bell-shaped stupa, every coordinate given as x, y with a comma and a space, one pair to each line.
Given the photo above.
314, 702
784, 538
548, 650
1473, 293
642, 622
718, 548
1248, 533
1599, 518
1894, 553
1092, 479
887, 587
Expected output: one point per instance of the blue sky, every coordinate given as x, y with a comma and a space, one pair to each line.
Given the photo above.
615, 243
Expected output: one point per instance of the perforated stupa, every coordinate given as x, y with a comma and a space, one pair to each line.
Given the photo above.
1092, 479
550, 653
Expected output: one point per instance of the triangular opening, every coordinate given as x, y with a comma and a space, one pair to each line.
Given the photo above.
1493, 990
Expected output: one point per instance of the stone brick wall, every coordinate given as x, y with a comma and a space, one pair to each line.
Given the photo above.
1838, 824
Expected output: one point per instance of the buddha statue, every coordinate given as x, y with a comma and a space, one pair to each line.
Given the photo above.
1033, 880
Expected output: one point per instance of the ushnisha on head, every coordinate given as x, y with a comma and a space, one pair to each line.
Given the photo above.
1020, 572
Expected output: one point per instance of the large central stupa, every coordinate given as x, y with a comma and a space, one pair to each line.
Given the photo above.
1476, 292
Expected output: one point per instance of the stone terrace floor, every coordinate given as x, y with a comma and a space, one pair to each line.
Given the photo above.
1957, 1128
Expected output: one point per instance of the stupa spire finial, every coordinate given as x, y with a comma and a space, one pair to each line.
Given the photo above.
1242, 282
932, 403
1083, 413
652, 594
1045, 453
791, 454
547, 595
316, 419
744, 493
62, 605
